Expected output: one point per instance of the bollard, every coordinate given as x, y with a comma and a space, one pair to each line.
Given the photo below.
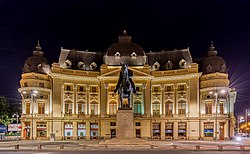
17, 146
220, 147
106, 146
39, 146
174, 146
242, 147
152, 146
198, 147
61, 146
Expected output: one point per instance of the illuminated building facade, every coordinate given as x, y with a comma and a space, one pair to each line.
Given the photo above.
177, 98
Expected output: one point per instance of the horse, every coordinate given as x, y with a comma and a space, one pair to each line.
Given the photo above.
125, 87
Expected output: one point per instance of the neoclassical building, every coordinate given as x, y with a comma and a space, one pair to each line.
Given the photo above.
177, 97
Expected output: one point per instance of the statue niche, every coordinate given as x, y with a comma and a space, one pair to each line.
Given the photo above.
125, 87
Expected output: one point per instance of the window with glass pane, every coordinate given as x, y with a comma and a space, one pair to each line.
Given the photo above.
208, 107
221, 108
208, 129
81, 108
156, 108
182, 107
94, 109
156, 89
68, 108
112, 108
182, 87
137, 107
41, 108
168, 108
93, 89
168, 88
27, 108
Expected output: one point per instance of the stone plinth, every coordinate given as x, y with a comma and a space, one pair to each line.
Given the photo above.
124, 124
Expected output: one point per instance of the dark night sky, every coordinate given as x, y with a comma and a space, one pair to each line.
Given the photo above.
154, 25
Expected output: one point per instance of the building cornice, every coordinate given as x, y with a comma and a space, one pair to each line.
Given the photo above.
33, 88
73, 77
177, 77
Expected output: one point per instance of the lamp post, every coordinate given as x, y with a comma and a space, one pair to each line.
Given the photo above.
216, 112
32, 94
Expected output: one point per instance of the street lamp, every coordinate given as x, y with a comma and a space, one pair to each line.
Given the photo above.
216, 111
32, 94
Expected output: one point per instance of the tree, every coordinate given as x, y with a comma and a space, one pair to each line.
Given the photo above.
5, 111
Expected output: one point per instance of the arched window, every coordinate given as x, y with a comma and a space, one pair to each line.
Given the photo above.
117, 55
182, 107
168, 108
223, 68
156, 108
67, 64
138, 107
68, 107
133, 55
183, 63
112, 107
93, 66
169, 65
94, 108
81, 65
81, 106
156, 66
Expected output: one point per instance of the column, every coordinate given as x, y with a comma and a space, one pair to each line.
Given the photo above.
175, 131
87, 97
162, 130
87, 130
143, 96
74, 99
175, 109
162, 101
75, 127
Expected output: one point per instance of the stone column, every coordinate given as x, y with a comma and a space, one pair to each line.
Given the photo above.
87, 97
87, 130
175, 131
162, 130
75, 134
144, 97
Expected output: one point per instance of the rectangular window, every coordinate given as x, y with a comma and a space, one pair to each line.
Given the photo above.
138, 89
112, 123
41, 108
169, 129
208, 129
25, 84
41, 130
208, 107
41, 85
112, 88
182, 129
156, 89
81, 88
81, 130
94, 89
156, 130
27, 108
137, 124
68, 88
168, 88
182, 87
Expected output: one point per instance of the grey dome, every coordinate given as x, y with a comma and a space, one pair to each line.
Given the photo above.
213, 63
36, 62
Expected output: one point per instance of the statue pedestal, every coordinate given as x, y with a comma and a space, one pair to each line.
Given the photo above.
125, 124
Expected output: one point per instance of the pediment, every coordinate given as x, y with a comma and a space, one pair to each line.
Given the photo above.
116, 72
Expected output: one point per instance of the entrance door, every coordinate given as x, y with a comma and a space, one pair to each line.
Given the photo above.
138, 133
222, 130
113, 133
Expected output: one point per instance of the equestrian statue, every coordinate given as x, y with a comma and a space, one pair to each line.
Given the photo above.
125, 87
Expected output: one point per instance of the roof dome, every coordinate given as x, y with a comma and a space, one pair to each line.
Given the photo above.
212, 63
36, 63
125, 47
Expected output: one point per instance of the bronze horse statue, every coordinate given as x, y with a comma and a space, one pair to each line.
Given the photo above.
125, 87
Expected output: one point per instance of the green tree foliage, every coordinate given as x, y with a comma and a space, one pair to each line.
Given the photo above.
5, 111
